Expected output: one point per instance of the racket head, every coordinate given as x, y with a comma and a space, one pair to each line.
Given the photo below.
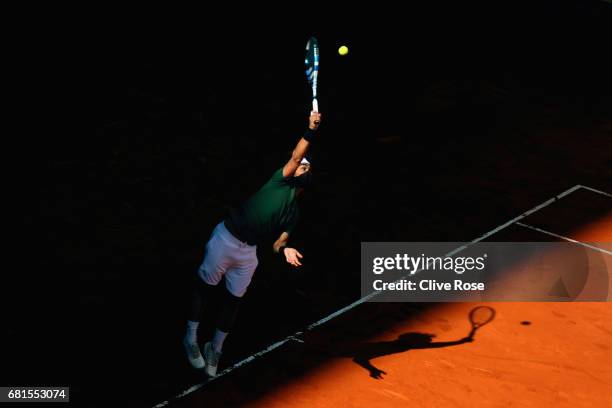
311, 63
481, 315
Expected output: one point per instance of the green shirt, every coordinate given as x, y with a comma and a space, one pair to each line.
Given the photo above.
269, 212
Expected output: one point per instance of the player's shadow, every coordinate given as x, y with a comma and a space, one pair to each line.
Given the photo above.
364, 353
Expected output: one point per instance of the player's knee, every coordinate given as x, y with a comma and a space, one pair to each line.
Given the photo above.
205, 289
229, 298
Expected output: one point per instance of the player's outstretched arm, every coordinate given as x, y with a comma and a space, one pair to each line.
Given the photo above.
302, 147
292, 255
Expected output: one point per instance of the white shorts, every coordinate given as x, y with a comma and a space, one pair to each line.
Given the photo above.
227, 256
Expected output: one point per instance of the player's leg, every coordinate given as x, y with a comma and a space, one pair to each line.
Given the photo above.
237, 280
228, 312
210, 273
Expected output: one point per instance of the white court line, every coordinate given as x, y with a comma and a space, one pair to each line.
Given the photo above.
453, 252
552, 234
358, 302
597, 191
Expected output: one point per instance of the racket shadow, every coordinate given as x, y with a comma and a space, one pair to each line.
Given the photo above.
480, 316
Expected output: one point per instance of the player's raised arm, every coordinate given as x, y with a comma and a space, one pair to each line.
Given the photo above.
302, 147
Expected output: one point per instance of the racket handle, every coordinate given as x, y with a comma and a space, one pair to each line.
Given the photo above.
315, 105
472, 332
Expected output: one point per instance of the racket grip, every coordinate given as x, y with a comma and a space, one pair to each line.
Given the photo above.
315, 105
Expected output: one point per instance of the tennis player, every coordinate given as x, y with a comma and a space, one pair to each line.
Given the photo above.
230, 255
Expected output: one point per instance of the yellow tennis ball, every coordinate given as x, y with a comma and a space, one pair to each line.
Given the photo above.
343, 50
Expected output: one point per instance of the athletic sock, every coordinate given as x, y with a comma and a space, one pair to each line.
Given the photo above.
192, 332
218, 339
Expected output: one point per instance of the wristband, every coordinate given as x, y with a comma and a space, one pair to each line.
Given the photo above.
309, 135
281, 250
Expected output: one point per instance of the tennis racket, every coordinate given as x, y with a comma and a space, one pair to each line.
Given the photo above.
312, 69
479, 316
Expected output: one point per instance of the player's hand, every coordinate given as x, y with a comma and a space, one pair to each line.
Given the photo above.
376, 373
314, 120
293, 256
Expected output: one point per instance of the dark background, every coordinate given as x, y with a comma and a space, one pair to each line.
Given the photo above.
141, 129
